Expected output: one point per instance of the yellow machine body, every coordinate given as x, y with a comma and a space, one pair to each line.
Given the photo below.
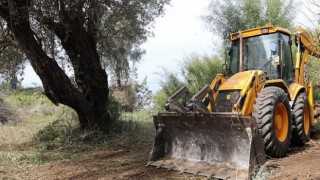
221, 131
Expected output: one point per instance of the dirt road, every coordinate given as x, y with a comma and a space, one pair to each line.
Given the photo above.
128, 162
119, 162
301, 163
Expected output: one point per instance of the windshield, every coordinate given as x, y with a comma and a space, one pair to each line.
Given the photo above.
259, 53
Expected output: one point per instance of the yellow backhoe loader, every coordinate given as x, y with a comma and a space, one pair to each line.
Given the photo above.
261, 104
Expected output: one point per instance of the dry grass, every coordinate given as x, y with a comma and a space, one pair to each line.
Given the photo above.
7, 115
34, 112
31, 112
49, 134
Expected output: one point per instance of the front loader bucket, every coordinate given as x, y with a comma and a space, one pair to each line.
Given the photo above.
220, 145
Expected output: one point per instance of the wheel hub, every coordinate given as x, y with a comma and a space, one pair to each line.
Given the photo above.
278, 121
281, 122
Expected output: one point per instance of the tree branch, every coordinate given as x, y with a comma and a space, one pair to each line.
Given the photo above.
49, 22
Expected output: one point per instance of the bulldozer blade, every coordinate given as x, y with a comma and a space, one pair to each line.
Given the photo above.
220, 145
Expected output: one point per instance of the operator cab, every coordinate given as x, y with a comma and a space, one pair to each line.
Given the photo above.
269, 52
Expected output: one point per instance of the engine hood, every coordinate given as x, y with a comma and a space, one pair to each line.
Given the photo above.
237, 81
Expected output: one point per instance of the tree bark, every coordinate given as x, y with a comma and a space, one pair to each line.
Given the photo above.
91, 99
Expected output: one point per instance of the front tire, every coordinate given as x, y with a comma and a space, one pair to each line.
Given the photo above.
301, 120
273, 116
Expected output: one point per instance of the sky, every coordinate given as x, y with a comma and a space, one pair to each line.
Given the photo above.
179, 33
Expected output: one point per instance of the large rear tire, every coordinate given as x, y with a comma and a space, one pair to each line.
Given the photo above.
300, 120
273, 116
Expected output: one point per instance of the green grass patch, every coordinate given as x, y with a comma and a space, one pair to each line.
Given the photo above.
40, 133
51, 133
62, 141
132, 128
317, 125
137, 127
55, 134
28, 98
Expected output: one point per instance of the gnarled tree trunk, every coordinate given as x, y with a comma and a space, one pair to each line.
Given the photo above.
90, 99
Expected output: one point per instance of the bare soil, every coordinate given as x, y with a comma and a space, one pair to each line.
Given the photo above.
116, 162
301, 163
128, 162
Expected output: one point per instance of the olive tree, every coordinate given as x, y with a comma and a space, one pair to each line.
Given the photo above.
75, 26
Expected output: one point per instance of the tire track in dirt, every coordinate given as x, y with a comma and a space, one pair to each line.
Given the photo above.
104, 163
301, 163
128, 162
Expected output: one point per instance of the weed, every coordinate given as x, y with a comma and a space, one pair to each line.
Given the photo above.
133, 127
62, 141
49, 133
7, 115
317, 125
114, 108
54, 134
262, 173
